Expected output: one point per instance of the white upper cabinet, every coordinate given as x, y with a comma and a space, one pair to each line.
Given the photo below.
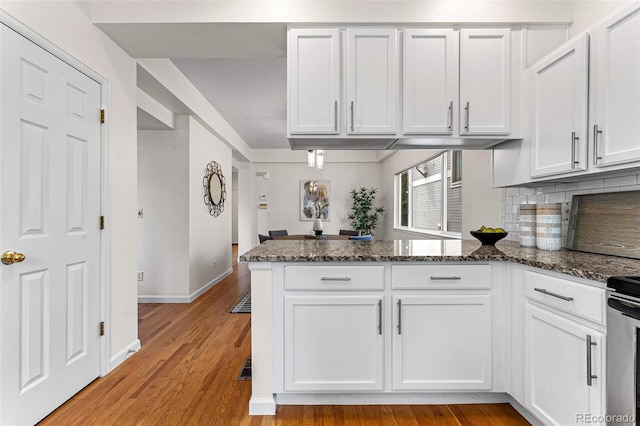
429, 81
372, 81
616, 130
485, 81
557, 89
314, 81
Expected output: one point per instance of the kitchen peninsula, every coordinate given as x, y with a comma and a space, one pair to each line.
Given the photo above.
429, 321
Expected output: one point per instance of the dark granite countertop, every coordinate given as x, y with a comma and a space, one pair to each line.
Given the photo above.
586, 265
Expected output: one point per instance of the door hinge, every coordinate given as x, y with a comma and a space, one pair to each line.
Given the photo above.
102, 113
101, 328
101, 222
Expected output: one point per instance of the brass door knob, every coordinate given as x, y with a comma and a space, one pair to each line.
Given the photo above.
10, 256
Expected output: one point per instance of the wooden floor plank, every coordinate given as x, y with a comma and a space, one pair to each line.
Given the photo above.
185, 374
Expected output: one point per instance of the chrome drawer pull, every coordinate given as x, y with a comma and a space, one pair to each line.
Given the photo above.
590, 375
445, 278
335, 279
544, 291
380, 317
399, 316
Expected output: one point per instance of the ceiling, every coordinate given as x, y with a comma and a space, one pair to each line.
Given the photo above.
241, 69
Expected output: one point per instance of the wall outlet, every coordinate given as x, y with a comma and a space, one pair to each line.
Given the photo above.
140, 275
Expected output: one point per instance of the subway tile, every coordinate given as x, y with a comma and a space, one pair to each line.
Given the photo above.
621, 181
591, 184
545, 189
556, 197
603, 190
568, 186
511, 209
510, 192
527, 191
630, 188
520, 200
537, 199
508, 201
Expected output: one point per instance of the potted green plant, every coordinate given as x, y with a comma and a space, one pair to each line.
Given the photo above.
364, 215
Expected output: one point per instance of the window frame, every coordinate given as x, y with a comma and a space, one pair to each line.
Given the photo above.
445, 173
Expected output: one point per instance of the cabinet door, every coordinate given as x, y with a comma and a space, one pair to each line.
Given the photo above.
556, 359
333, 343
429, 81
557, 92
617, 135
485, 81
313, 62
442, 342
372, 81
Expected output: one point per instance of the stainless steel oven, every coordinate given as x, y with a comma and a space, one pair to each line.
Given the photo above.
623, 349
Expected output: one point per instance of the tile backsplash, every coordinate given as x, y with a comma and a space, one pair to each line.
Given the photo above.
560, 193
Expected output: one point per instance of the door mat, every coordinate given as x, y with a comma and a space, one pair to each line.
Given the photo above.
245, 372
244, 305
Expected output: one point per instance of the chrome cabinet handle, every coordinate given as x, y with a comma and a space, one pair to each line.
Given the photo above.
466, 121
335, 279
352, 116
590, 375
595, 144
335, 116
444, 278
574, 138
399, 316
380, 317
544, 291
450, 117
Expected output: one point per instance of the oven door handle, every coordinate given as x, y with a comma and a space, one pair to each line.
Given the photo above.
627, 308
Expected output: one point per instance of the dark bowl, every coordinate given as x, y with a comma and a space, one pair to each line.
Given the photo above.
489, 238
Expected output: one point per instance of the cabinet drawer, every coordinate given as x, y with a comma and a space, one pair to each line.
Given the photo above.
334, 277
440, 277
579, 299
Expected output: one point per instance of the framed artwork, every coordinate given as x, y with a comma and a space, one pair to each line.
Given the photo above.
314, 199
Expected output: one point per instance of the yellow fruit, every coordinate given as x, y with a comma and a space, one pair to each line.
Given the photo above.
489, 230
500, 230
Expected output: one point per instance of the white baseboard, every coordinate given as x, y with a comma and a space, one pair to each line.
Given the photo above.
262, 407
391, 398
125, 353
184, 299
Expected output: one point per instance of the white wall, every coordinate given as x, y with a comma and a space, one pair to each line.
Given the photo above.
163, 231
586, 13
481, 204
209, 237
283, 194
182, 248
65, 24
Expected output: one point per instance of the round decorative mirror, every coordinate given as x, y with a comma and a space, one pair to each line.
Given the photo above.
214, 189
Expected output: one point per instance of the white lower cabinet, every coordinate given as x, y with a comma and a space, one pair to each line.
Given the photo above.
442, 342
333, 343
558, 363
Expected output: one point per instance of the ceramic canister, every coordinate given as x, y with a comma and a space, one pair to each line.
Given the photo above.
527, 225
548, 226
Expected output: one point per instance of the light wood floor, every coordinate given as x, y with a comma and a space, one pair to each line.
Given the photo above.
185, 374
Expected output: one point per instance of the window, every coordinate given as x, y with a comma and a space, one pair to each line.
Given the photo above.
428, 199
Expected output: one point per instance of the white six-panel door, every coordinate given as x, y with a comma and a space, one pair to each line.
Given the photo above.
50, 206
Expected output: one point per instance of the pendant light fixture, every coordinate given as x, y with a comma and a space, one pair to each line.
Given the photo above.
315, 158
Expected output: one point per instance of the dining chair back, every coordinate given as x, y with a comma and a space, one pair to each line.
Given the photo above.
278, 233
264, 238
349, 232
